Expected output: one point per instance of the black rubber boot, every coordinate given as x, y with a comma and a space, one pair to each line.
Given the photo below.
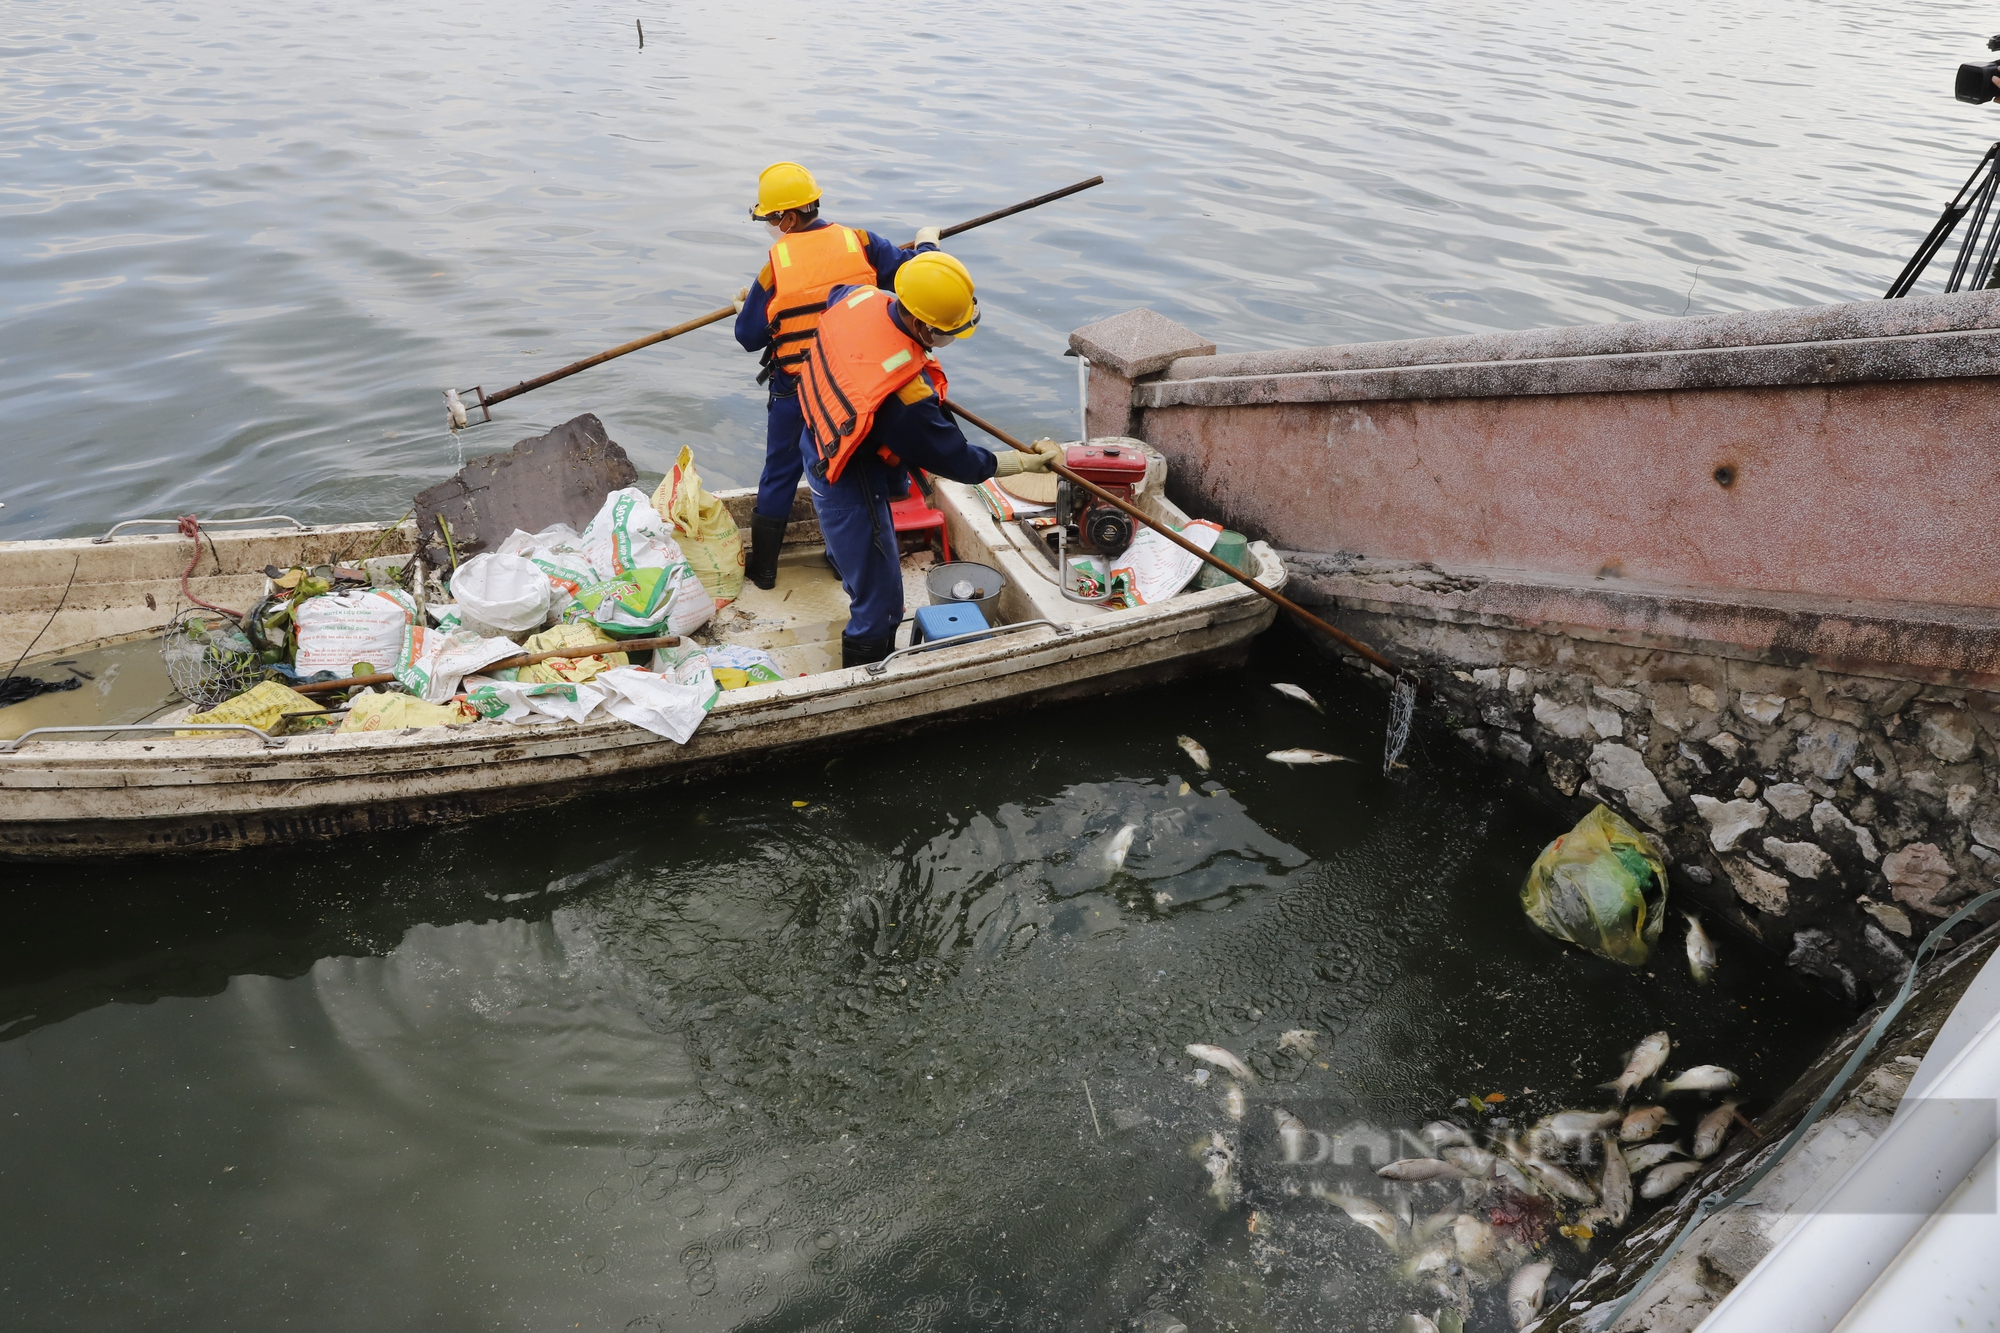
860, 652
767, 536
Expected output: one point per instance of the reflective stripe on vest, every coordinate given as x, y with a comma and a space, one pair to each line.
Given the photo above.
859, 358
805, 266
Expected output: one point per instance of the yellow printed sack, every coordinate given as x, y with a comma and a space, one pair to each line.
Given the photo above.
262, 706
375, 711
706, 533
558, 670
1601, 886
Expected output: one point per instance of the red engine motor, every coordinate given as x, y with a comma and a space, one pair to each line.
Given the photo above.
1088, 523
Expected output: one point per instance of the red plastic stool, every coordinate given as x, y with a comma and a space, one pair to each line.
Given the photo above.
913, 513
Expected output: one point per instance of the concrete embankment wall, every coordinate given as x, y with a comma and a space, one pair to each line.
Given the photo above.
1734, 575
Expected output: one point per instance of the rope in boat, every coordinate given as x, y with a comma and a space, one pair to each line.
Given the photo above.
1715, 1202
190, 526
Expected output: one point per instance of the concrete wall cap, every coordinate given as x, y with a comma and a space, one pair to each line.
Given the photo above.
1138, 342
1957, 312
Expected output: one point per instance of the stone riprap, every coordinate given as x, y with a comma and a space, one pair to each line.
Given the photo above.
1831, 815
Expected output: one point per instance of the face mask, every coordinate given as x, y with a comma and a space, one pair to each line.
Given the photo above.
777, 233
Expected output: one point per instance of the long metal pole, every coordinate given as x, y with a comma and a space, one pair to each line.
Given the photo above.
1340, 637
486, 400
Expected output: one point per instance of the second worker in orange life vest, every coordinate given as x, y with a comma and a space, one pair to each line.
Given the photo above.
872, 393
779, 315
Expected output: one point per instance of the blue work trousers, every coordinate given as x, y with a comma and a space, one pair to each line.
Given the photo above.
784, 424
861, 544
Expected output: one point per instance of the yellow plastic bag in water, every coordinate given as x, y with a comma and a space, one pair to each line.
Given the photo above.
706, 533
1601, 886
262, 706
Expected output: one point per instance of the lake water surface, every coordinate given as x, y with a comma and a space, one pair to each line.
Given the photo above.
909, 1055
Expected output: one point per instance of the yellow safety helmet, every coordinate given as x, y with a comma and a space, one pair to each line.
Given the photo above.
783, 186
937, 289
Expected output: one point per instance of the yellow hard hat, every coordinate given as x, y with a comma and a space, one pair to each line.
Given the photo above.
782, 186
937, 289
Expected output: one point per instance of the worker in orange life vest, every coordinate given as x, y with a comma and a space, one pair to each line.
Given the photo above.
779, 315
872, 393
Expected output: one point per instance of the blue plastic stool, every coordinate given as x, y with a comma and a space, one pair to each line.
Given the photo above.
946, 619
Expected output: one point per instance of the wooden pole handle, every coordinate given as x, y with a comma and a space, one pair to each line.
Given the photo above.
525, 659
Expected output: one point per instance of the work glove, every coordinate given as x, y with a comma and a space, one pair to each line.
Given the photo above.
742, 295
1013, 461
927, 236
1048, 453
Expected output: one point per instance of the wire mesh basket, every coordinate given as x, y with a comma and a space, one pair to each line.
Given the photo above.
208, 659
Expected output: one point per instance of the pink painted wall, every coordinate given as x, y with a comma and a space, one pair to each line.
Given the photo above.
1884, 490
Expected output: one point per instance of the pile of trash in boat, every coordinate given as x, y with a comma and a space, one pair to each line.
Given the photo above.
503, 636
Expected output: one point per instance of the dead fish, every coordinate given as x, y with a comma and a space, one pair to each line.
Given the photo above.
1232, 1102
1477, 1241
1524, 1293
1219, 1160
1299, 1040
1701, 951
1194, 751
1294, 692
1433, 1258
1367, 1212
1414, 1169
1417, 1323
1645, 1061
1650, 1155
1666, 1179
1222, 1060
1642, 1122
1444, 1134
1556, 1180
1297, 757
1434, 1226
1702, 1078
1511, 1175
1713, 1129
1473, 1163
1615, 1184
1292, 1133
1120, 847
1572, 1124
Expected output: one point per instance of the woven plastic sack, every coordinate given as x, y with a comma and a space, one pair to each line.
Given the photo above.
644, 585
558, 670
707, 535
433, 661
1600, 886
558, 552
374, 711
262, 706
509, 593
340, 631
737, 667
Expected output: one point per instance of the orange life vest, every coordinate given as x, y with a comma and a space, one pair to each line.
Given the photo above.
805, 266
859, 358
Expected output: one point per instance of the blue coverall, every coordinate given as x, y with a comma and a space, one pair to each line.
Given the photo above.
854, 511
783, 420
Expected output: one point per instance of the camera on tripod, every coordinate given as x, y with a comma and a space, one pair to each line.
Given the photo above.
1975, 82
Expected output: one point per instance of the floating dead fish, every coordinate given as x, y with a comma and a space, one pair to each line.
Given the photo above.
1473, 1163
1713, 1129
1299, 1040
1414, 1169
1642, 1122
1645, 1061
1477, 1241
1524, 1293
1219, 1160
1417, 1323
1666, 1179
1574, 1124
1444, 1134
1647, 1156
1558, 1181
1702, 1078
1194, 751
1701, 951
1294, 692
1232, 1102
1120, 847
1222, 1060
1615, 1184
1439, 1222
1367, 1212
1437, 1257
1297, 757
1511, 1175
1292, 1134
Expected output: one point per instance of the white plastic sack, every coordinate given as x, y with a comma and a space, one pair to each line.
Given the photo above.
341, 630
557, 552
507, 592
669, 701
644, 584
432, 662
1154, 569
